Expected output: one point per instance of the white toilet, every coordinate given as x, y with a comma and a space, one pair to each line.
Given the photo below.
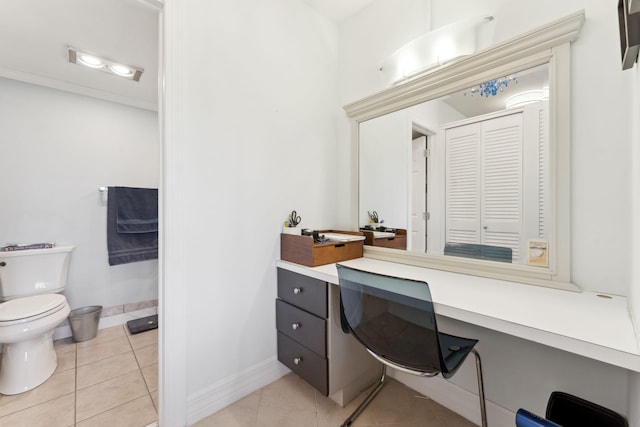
29, 283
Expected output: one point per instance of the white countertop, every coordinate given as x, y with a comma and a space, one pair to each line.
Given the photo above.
578, 322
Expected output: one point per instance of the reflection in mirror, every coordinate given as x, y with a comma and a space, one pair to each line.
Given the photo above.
463, 175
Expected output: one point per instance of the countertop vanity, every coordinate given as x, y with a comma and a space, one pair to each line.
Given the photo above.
557, 318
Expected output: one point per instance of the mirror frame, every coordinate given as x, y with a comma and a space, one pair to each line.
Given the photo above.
548, 44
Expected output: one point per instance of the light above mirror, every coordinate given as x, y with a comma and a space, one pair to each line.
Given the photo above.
434, 49
528, 222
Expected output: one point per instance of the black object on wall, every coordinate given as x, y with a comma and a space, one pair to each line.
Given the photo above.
629, 34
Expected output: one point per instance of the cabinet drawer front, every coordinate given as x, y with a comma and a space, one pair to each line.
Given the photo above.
302, 291
310, 367
307, 329
397, 242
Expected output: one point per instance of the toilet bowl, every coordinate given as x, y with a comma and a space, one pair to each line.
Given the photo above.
26, 329
30, 282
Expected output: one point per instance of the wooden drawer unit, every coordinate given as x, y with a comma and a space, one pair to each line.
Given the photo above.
304, 362
303, 250
307, 329
303, 291
399, 241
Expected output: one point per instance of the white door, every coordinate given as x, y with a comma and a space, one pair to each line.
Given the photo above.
502, 183
484, 183
418, 195
462, 184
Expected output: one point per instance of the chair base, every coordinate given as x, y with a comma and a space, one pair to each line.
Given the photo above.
368, 399
381, 383
483, 405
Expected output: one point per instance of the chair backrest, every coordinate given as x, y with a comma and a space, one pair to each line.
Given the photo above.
477, 251
392, 317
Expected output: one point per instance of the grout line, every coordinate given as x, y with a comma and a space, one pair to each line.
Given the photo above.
75, 390
115, 407
255, 422
315, 398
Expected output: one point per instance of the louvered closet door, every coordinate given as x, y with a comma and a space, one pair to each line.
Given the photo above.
462, 203
501, 183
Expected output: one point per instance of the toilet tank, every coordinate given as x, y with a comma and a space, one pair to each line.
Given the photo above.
34, 271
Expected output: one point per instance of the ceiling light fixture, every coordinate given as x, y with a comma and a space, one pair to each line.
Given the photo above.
96, 62
492, 87
527, 97
90, 61
121, 70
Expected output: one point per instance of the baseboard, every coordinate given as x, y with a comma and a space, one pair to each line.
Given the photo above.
228, 390
107, 322
457, 399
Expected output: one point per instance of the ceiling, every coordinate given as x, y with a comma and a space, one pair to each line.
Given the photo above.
34, 35
536, 78
338, 10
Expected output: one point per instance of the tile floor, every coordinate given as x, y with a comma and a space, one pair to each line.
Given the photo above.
111, 380
291, 402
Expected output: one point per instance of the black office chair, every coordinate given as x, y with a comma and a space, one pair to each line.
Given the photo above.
395, 321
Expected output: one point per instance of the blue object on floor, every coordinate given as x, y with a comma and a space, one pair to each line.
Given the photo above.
525, 418
565, 410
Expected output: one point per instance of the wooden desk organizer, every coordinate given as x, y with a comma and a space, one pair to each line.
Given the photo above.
303, 250
399, 241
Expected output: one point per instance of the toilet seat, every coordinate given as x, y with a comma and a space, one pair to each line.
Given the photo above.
27, 309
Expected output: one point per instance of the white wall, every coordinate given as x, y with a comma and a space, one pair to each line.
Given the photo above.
57, 149
384, 164
634, 294
258, 140
385, 156
524, 374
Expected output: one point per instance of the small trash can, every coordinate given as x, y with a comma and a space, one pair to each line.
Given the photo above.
84, 322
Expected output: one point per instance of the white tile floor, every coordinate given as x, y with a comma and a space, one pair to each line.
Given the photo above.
112, 381
111, 377
292, 402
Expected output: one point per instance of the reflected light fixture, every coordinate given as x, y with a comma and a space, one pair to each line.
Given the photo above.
492, 87
527, 97
96, 62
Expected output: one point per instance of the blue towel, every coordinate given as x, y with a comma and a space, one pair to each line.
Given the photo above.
137, 209
127, 247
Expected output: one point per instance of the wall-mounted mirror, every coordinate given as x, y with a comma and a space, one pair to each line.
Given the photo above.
466, 167
465, 174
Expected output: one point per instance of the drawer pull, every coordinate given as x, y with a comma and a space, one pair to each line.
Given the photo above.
297, 290
297, 360
295, 326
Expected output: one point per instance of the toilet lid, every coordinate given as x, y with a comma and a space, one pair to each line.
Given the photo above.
23, 308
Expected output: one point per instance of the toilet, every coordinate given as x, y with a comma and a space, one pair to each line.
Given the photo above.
30, 309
